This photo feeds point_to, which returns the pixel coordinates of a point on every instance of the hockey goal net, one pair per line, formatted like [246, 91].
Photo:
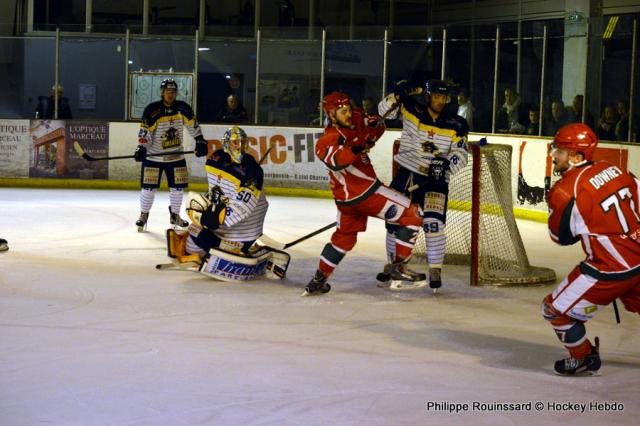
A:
[481, 228]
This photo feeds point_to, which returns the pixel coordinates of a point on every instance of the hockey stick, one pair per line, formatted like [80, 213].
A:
[176, 266]
[282, 246]
[615, 310]
[81, 152]
[264, 156]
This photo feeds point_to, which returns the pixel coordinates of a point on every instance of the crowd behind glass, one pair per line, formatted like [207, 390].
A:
[276, 76]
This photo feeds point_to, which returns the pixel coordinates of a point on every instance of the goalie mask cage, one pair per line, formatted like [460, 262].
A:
[481, 228]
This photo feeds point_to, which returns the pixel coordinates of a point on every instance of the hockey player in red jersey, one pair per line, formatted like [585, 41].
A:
[359, 194]
[597, 204]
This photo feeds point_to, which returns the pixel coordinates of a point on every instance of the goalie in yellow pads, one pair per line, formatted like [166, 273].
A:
[227, 220]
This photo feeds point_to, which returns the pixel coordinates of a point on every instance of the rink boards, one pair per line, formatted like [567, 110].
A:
[40, 153]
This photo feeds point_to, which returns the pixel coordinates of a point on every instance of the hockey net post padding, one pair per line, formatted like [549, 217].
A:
[481, 228]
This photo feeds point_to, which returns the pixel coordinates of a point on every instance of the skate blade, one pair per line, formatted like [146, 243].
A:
[406, 285]
[142, 229]
[383, 284]
[588, 373]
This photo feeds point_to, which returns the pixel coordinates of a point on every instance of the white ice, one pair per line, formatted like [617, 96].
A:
[92, 334]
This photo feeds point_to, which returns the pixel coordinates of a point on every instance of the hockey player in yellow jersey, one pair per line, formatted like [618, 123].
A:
[161, 133]
[433, 145]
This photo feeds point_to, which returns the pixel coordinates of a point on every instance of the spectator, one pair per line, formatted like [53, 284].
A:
[559, 117]
[233, 112]
[369, 106]
[622, 126]
[575, 113]
[46, 105]
[534, 121]
[511, 118]
[465, 108]
[607, 124]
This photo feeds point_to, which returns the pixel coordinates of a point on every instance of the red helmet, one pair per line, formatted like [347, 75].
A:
[335, 100]
[577, 137]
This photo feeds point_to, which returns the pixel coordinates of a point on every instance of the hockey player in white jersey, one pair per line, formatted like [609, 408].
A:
[161, 133]
[229, 218]
[433, 145]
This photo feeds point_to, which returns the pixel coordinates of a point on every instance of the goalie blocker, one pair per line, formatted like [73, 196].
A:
[224, 265]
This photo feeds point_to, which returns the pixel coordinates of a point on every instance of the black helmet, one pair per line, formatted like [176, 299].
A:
[437, 86]
[169, 83]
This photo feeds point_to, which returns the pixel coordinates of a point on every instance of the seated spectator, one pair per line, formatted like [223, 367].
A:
[534, 121]
[607, 124]
[465, 108]
[559, 117]
[575, 113]
[233, 112]
[369, 106]
[46, 105]
[622, 126]
[512, 114]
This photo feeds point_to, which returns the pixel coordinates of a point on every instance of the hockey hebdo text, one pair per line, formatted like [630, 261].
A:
[531, 406]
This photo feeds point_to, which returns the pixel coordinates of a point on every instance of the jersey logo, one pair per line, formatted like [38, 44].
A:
[171, 138]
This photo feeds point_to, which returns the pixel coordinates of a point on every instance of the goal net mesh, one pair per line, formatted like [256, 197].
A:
[501, 256]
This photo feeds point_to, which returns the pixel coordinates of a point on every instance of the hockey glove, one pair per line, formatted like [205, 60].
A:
[375, 128]
[140, 153]
[202, 148]
[213, 216]
[438, 168]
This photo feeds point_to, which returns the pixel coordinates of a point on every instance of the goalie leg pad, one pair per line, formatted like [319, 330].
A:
[176, 247]
[224, 266]
[278, 264]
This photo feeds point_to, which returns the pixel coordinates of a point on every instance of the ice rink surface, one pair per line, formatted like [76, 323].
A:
[92, 334]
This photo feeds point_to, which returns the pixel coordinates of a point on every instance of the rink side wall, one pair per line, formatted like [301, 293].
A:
[39, 153]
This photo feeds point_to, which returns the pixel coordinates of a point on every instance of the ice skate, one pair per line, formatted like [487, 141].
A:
[403, 278]
[141, 223]
[317, 286]
[176, 220]
[587, 366]
[384, 277]
[435, 281]
[4, 245]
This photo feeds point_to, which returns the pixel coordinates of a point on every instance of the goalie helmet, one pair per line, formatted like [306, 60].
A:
[234, 143]
[576, 138]
[168, 84]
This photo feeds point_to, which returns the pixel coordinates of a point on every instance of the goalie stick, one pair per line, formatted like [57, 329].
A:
[282, 246]
[82, 153]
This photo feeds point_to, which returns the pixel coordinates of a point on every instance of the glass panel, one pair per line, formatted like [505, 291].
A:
[162, 55]
[230, 18]
[176, 18]
[66, 15]
[355, 68]
[114, 17]
[92, 74]
[553, 77]
[616, 45]
[512, 116]
[413, 60]
[530, 73]
[481, 80]
[289, 82]
[459, 70]
[225, 68]
[32, 73]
